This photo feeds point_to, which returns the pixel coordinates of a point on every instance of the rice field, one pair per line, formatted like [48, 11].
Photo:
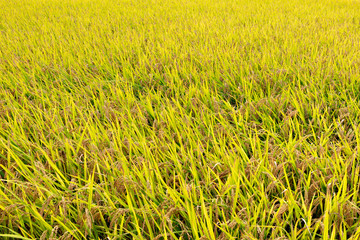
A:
[187, 119]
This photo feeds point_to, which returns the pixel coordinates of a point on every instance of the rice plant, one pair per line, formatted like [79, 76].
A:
[164, 119]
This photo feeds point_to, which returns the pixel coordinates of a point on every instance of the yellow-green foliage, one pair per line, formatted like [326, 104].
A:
[179, 119]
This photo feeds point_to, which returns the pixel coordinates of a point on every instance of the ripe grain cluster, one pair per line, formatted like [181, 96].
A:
[179, 119]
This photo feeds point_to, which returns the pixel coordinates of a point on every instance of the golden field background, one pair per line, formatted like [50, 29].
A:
[183, 119]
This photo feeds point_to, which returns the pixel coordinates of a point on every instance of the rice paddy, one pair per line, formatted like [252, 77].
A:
[163, 119]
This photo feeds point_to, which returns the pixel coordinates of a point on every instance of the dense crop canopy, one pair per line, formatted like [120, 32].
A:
[186, 119]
